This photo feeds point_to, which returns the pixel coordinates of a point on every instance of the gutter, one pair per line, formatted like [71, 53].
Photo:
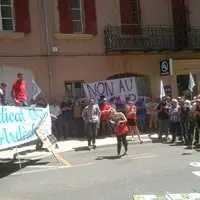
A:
[50, 67]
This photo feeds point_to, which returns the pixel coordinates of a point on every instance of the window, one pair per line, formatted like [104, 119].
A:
[135, 11]
[6, 15]
[77, 16]
[74, 89]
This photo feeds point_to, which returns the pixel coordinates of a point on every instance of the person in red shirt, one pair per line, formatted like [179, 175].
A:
[105, 119]
[19, 91]
[131, 111]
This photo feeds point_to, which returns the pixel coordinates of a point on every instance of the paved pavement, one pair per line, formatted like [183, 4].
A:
[29, 152]
[147, 169]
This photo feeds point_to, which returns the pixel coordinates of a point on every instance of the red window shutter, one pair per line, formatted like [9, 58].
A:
[22, 16]
[126, 11]
[126, 16]
[65, 16]
[139, 13]
[90, 17]
[180, 19]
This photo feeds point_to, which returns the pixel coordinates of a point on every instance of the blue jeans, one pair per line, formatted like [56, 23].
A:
[142, 121]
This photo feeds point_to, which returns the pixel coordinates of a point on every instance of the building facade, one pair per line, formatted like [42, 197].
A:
[63, 43]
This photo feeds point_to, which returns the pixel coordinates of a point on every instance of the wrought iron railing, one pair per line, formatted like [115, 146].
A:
[122, 38]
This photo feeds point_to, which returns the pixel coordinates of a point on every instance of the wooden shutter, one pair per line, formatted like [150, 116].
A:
[126, 16]
[180, 22]
[65, 16]
[178, 10]
[22, 16]
[90, 16]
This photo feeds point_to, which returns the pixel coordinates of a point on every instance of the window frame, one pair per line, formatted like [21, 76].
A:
[81, 9]
[72, 83]
[136, 11]
[12, 17]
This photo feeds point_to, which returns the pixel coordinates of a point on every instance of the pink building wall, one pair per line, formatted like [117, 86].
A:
[85, 59]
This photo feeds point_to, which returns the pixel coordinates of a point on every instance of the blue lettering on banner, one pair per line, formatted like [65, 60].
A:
[9, 117]
[21, 134]
[17, 125]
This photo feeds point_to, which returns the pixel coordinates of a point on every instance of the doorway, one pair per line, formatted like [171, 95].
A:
[183, 84]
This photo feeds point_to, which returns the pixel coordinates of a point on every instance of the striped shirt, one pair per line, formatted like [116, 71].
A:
[175, 114]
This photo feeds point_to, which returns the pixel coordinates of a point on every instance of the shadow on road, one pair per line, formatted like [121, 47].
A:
[9, 166]
[109, 157]
[84, 148]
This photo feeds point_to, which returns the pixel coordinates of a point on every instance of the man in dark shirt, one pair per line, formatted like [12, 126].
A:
[163, 118]
[65, 119]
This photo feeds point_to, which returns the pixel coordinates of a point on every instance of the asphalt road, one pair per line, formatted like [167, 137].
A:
[99, 175]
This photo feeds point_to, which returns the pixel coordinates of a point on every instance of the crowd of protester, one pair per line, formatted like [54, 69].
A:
[178, 117]
[82, 117]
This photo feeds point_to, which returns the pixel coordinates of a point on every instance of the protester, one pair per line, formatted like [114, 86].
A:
[196, 116]
[91, 115]
[121, 130]
[65, 119]
[163, 119]
[54, 108]
[3, 86]
[174, 113]
[77, 109]
[19, 91]
[184, 119]
[104, 120]
[141, 114]
[131, 111]
[153, 121]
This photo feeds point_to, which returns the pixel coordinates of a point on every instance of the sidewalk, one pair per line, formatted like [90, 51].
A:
[29, 152]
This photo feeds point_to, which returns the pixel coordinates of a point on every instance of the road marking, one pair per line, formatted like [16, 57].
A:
[141, 157]
[81, 165]
[49, 168]
[195, 164]
[168, 196]
[39, 170]
[197, 173]
[42, 166]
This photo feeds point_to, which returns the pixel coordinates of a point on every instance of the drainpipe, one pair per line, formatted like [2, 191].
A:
[50, 67]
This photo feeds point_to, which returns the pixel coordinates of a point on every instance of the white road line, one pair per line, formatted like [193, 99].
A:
[194, 164]
[140, 157]
[42, 166]
[39, 170]
[179, 196]
[49, 168]
[197, 173]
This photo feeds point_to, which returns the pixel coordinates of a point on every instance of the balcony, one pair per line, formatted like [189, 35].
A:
[130, 38]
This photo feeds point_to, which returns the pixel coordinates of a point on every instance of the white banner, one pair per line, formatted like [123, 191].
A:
[18, 124]
[124, 87]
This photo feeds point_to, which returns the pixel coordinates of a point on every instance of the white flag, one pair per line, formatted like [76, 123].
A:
[35, 89]
[191, 82]
[162, 90]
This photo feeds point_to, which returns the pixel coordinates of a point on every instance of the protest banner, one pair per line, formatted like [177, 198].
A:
[124, 87]
[18, 124]
[44, 137]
